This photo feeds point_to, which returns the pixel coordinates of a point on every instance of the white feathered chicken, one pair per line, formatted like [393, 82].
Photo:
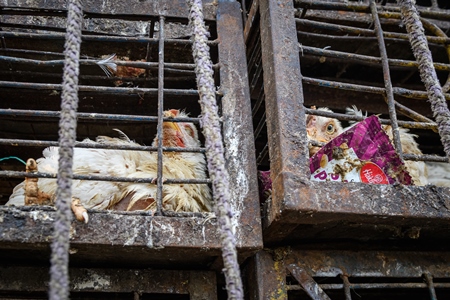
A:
[416, 169]
[133, 164]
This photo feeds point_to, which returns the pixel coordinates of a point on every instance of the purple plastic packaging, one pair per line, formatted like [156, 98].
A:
[376, 160]
[362, 153]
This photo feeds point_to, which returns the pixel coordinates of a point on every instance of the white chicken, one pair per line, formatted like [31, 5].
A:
[133, 164]
[416, 169]
[439, 173]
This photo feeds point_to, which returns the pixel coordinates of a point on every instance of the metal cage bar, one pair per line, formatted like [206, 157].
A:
[31, 59]
[309, 58]
[160, 137]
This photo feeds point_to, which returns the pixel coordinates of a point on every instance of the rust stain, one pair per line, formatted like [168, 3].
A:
[344, 193]
[280, 292]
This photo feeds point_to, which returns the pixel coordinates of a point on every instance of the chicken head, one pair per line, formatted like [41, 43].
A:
[321, 129]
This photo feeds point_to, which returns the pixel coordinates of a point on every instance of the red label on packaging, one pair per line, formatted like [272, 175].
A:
[371, 173]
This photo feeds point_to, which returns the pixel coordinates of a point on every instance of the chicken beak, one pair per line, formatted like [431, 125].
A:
[322, 140]
[172, 125]
[172, 113]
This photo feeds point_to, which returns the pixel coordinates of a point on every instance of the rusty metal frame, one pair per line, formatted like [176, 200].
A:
[269, 270]
[302, 209]
[172, 238]
[197, 284]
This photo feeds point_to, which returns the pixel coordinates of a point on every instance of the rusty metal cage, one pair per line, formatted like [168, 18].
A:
[287, 273]
[152, 40]
[326, 53]
[94, 283]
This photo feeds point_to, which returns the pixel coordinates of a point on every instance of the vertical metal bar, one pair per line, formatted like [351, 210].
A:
[308, 284]
[159, 179]
[137, 296]
[152, 28]
[434, 4]
[244, 11]
[266, 277]
[151, 32]
[348, 295]
[286, 120]
[2, 39]
[429, 280]
[387, 78]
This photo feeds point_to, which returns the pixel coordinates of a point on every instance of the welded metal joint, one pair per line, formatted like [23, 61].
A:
[308, 284]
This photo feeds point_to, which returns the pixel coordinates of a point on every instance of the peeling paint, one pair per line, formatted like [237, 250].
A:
[134, 232]
[241, 179]
[148, 235]
[41, 216]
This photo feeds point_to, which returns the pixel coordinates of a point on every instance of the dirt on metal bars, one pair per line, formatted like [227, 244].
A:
[155, 50]
[337, 54]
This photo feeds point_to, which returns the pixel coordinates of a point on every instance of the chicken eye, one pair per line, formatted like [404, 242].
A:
[189, 130]
[330, 128]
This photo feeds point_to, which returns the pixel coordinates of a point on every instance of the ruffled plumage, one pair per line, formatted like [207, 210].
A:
[132, 164]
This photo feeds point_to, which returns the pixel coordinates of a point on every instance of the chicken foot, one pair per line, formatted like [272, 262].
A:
[79, 210]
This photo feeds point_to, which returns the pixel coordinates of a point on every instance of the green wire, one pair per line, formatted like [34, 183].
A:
[13, 157]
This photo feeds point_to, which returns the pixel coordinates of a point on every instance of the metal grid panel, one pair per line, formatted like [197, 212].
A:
[327, 54]
[286, 273]
[152, 42]
[168, 75]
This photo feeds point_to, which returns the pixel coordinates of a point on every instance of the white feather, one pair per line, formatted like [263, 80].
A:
[132, 164]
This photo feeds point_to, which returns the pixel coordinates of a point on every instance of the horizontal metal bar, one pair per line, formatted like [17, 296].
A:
[126, 213]
[406, 124]
[420, 95]
[335, 27]
[407, 285]
[366, 32]
[100, 89]
[93, 116]
[100, 38]
[425, 157]
[18, 174]
[168, 66]
[353, 7]
[28, 51]
[39, 143]
[313, 4]
[185, 74]
[365, 59]
[342, 85]
[90, 62]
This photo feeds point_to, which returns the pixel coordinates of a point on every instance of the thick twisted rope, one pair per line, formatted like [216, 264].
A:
[214, 149]
[423, 56]
[59, 270]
